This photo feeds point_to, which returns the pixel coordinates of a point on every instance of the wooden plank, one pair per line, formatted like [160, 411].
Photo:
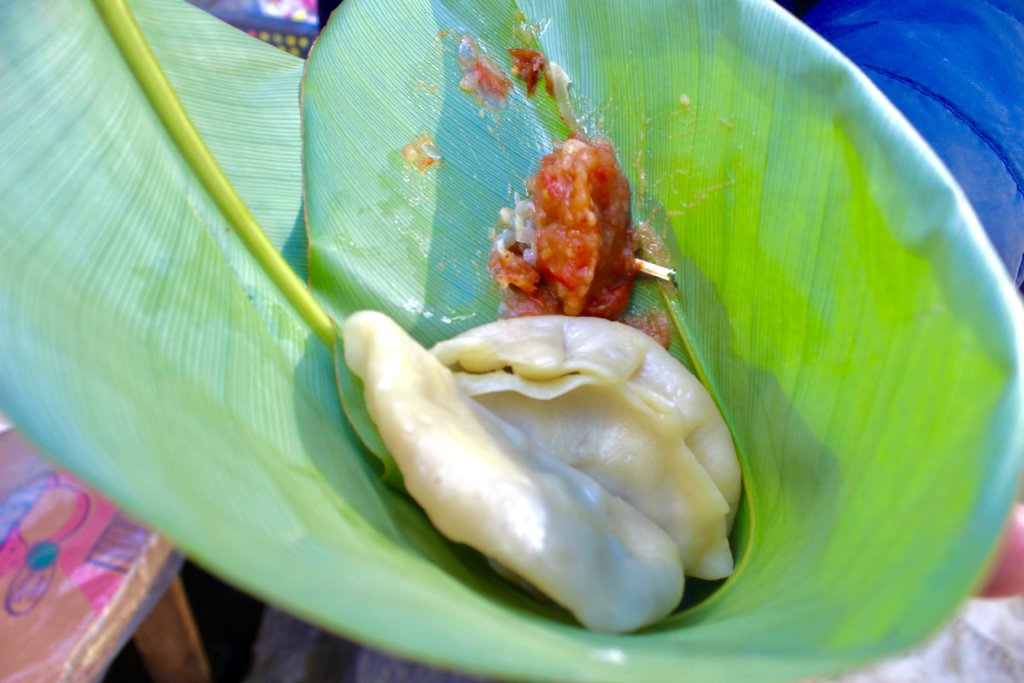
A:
[169, 642]
[150, 576]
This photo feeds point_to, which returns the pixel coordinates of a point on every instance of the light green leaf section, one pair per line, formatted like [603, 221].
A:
[141, 344]
[244, 101]
[835, 291]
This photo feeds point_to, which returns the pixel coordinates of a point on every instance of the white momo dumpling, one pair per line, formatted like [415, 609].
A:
[485, 483]
[609, 401]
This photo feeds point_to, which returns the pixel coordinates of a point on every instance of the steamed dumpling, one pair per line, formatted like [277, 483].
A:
[485, 482]
[610, 402]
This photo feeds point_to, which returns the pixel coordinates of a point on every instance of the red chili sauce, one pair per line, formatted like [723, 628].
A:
[529, 65]
[583, 254]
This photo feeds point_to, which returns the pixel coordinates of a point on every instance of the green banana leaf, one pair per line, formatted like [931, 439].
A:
[835, 292]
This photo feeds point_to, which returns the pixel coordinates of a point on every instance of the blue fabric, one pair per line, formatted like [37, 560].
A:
[956, 70]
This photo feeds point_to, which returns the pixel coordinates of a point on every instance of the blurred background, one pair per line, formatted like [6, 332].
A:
[290, 25]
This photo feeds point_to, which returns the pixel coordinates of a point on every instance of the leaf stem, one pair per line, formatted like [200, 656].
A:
[158, 90]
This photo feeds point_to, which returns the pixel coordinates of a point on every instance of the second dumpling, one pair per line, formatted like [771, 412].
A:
[610, 402]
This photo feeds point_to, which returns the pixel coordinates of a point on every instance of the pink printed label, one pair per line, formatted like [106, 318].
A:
[65, 552]
[54, 527]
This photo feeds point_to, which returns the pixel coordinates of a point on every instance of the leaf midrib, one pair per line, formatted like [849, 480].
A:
[157, 89]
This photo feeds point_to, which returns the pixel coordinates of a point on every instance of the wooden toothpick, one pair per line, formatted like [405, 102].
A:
[654, 270]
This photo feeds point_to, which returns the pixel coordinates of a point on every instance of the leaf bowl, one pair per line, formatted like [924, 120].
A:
[835, 293]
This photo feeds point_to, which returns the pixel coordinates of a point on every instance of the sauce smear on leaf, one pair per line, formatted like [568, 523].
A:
[481, 77]
[529, 65]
